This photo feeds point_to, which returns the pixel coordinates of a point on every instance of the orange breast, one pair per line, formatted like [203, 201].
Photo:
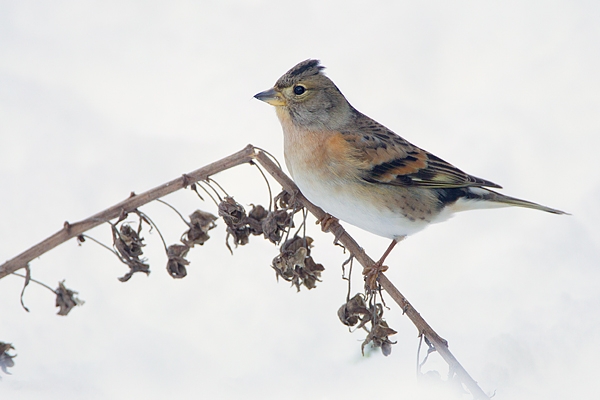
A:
[323, 153]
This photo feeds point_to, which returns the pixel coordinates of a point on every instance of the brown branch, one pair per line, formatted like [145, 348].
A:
[244, 156]
[350, 244]
[133, 202]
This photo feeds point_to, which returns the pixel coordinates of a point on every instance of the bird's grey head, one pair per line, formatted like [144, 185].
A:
[311, 98]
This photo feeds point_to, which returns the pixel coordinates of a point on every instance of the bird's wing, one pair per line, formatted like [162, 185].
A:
[388, 159]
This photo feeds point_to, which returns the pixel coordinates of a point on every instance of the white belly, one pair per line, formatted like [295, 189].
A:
[348, 203]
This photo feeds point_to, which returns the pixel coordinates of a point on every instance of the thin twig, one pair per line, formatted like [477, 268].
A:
[207, 192]
[35, 281]
[268, 185]
[101, 244]
[209, 180]
[145, 217]
[72, 230]
[271, 156]
[174, 209]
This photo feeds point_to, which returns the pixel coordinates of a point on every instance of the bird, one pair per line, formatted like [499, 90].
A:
[361, 172]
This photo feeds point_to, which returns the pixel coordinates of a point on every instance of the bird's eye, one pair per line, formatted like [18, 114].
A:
[299, 89]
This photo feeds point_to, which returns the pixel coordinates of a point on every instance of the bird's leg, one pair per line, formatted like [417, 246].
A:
[372, 273]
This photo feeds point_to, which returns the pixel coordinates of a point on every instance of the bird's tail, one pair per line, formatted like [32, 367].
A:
[490, 195]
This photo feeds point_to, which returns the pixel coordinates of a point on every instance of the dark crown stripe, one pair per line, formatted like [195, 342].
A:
[298, 72]
[304, 67]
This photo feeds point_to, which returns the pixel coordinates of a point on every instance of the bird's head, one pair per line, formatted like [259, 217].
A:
[309, 97]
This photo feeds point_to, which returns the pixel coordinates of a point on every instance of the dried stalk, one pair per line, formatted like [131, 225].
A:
[133, 202]
[246, 155]
[350, 244]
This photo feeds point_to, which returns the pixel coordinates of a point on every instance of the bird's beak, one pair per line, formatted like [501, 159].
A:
[271, 96]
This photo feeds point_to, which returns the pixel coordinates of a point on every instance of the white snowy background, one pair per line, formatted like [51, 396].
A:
[98, 99]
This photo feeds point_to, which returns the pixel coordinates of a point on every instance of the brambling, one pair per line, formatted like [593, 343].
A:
[361, 172]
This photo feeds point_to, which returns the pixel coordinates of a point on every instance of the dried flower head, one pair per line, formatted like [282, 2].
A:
[6, 360]
[177, 262]
[284, 200]
[295, 264]
[275, 224]
[128, 244]
[255, 219]
[354, 310]
[200, 223]
[234, 216]
[66, 299]
[379, 337]
[232, 212]
[361, 308]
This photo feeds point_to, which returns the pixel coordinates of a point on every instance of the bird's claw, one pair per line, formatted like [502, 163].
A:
[372, 274]
[327, 221]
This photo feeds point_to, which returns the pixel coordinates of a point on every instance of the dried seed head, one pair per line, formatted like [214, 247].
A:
[6, 360]
[177, 262]
[275, 223]
[362, 309]
[354, 310]
[285, 200]
[128, 242]
[66, 299]
[379, 337]
[255, 219]
[233, 213]
[200, 223]
[203, 220]
[234, 216]
[294, 263]
[312, 272]
[129, 245]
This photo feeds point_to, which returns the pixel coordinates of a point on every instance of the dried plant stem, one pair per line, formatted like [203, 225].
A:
[350, 244]
[133, 202]
[246, 155]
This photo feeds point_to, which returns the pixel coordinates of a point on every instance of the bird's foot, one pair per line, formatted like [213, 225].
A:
[327, 221]
[371, 274]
